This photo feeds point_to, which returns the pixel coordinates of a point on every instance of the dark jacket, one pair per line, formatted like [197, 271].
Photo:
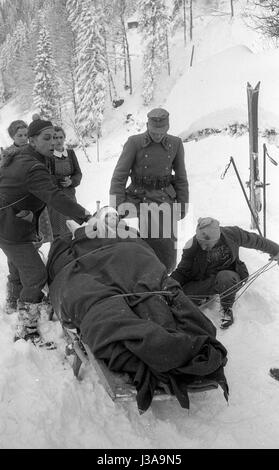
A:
[76, 174]
[26, 185]
[157, 171]
[193, 264]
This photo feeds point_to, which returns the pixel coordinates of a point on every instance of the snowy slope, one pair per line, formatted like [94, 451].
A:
[228, 72]
[43, 406]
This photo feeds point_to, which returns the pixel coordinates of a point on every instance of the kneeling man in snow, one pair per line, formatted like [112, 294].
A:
[210, 263]
[130, 313]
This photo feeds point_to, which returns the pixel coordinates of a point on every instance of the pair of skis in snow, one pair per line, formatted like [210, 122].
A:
[254, 184]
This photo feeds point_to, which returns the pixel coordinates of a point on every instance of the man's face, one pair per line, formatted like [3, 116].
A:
[59, 139]
[111, 220]
[207, 245]
[44, 142]
[157, 134]
[20, 137]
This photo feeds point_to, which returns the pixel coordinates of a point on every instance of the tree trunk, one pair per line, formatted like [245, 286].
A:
[184, 22]
[124, 62]
[191, 20]
[110, 78]
[167, 51]
[128, 58]
[232, 11]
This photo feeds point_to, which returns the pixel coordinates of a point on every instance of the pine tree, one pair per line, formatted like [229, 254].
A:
[91, 67]
[46, 89]
[62, 45]
[153, 24]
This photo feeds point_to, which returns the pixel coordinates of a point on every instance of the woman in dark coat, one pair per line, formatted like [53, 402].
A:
[67, 175]
[25, 189]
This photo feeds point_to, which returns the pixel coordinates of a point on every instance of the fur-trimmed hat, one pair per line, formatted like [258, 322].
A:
[208, 229]
[158, 120]
[38, 125]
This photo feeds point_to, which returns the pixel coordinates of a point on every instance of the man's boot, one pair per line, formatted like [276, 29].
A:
[274, 372]
[227, 317]
[27, 325]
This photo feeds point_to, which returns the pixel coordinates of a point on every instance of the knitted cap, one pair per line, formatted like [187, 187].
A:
[38, 125]
[158, 119]
[208, 229]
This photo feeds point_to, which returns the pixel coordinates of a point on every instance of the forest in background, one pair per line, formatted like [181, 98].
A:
[63, 56]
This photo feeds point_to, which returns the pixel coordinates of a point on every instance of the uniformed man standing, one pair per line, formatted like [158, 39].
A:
[155, 163]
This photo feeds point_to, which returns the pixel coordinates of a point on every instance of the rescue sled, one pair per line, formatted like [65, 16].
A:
[118, 385]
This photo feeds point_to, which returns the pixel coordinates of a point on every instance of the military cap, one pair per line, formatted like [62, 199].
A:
[158, 119]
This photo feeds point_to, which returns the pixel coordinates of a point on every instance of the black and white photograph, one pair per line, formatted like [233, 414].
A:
[139, 227]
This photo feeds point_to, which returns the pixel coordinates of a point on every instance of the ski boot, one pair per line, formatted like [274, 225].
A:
[274, 373]
[27, 326]
[227, 318]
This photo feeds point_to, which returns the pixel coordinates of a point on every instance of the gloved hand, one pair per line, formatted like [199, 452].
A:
[66, 182]
[87, 216]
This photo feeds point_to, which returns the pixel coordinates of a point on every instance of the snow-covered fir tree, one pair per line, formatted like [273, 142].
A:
[46, 87]
[91, 69]
[153, 23]
[62, 45]
[13, 45]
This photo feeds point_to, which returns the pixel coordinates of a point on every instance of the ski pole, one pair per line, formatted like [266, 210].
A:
[265, 154]
[264, 190]
[245, 195]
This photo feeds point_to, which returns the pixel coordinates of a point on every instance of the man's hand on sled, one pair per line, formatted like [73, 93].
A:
[275, 258]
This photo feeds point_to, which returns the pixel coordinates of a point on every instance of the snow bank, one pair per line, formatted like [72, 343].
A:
[212, 94]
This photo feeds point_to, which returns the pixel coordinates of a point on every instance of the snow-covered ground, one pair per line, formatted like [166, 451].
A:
[43, 406]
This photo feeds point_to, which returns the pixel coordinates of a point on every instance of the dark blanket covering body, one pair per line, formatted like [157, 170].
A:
[153, 337]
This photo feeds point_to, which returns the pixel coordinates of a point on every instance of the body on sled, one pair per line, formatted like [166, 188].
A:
[119, 386]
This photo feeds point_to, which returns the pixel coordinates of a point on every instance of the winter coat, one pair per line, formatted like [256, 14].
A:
[151, 166]
[193, 264]
[25, 188]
